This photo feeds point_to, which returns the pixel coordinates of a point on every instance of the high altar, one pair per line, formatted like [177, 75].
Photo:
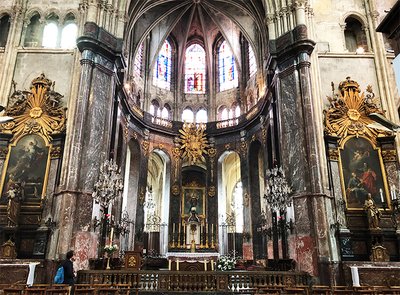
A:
[193, 241]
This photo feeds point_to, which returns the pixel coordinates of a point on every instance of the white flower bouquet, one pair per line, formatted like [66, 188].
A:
[226, 263]
[110, 249]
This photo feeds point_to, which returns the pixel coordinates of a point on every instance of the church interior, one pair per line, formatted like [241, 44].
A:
[200, 146]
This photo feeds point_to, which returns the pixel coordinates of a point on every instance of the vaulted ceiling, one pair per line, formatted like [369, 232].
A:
[202, 21]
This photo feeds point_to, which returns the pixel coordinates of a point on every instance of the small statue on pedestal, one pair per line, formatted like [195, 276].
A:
[373, 213]
[13, 204]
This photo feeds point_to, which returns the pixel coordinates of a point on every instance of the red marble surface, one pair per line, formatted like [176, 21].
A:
[85, 248]
[306, 255]
[248, 251]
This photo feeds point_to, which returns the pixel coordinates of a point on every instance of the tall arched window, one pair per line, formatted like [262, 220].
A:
[50, 35]
[4, 28]
[201, 116]
[155, 108]
[33, 33]
[187, 116]
[223, 113]
[237, 111]
[162, 69]
[137, 65]
[355, 37]
[252, 62]
[165, 112]
[195, 69]
[68, 36]
[237, 206]
[226, 68]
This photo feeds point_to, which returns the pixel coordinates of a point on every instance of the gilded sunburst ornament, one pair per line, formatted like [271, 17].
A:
[193, 142]
[349, 110]
[38, 111]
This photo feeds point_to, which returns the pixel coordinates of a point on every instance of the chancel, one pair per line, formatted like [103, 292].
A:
[200, 146]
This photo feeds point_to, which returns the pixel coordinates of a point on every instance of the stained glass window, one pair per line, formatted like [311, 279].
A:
[252, 62]
[138, 60]
[195, 69]
[226, 68]
[162, 69]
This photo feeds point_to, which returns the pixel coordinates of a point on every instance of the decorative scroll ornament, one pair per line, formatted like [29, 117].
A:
[349, 112]
[193, 142]
[38, 111]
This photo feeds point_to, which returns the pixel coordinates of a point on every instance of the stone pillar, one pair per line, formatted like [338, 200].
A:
[245, 172]
[4, 142]
[89, 142]
[300, 12]
[10, 54]
[300, 157]
[139, 220]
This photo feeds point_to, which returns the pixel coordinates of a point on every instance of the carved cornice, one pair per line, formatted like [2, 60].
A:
[55, 152]
[333, 155]
[348, 113]
[38, 111]
[3, 152]
[389, 156]
[145, 147]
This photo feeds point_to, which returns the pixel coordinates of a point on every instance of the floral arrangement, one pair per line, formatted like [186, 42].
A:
[110, 249]
[226, 263]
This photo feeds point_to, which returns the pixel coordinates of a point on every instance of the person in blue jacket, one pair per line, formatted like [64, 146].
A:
[69, 276]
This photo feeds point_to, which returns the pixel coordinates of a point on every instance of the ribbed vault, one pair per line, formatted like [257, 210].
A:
[200, 20]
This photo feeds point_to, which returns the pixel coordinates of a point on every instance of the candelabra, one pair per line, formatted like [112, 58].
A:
[277, 191]
[123, 226]
[278, 196]
[110, 184]
[108, 187]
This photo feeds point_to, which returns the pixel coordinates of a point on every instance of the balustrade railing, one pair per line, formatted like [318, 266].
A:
[185, 281]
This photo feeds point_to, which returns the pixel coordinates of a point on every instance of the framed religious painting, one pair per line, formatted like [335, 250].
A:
[193, 200]
[362, 173]
[26, 169]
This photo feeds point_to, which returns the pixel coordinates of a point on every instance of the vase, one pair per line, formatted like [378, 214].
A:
[108, 263]
[108, 260]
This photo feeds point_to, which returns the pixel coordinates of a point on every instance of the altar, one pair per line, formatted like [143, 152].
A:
[184, 261]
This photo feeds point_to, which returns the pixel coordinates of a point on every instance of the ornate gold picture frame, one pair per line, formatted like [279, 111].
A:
[362, 172]
[27, 166]
[193, 198]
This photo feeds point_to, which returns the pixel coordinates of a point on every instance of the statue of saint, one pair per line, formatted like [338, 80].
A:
[373, 213]
[194, 198]
[13, 195]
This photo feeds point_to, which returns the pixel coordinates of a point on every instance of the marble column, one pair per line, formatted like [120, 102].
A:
[89, 142]
[300, 155]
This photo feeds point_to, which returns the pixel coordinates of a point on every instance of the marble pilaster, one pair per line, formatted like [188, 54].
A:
[89, 141]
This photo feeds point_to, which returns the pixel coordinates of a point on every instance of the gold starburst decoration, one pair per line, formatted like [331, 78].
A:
[37, 111]
[349, 110]
[193, 142]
